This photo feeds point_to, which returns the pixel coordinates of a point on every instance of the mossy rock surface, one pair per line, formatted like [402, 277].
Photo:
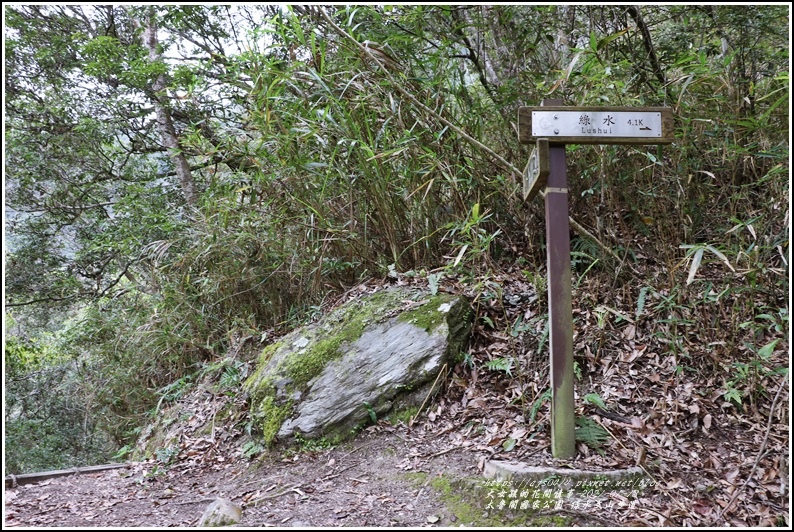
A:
[371, 356]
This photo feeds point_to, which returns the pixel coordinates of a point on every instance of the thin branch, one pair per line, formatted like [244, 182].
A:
[42, 300]
[634, 12]
[761, 454]
[474, 57]
[123, 273]
[398, 86]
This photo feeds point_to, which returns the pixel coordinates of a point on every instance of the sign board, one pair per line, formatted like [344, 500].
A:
[551, 127]
[537, 170]
[596, 125]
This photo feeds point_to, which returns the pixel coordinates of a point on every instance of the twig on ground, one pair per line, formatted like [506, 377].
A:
[357, 449]
[445, 451]
[334, 475]
[291, 489]
[429, 393]
[761, 454]
[197, 501]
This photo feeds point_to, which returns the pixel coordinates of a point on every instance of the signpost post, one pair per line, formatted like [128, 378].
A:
[551, 127]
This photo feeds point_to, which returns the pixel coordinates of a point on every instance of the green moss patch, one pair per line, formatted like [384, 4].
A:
[427, 316]
[404, 415]
[286, 367]
[475, 501]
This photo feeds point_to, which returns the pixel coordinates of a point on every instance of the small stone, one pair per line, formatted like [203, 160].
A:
[301, 342]
[221, 512]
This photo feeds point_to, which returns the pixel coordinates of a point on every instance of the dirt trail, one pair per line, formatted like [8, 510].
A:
[376, 480]
[386, 477]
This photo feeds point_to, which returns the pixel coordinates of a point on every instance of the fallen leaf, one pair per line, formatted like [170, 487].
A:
[702, 510]
[630, 332]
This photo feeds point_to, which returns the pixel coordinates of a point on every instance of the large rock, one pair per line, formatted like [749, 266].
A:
[371, 356]
[221, 512]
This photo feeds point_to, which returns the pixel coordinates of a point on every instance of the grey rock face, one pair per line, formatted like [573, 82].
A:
[221, 512]
[370, 357]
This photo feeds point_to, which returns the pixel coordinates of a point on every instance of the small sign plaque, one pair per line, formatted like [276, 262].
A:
[596, 125]
[537, 170]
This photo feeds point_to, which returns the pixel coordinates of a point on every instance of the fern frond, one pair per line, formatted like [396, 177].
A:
[590, 433]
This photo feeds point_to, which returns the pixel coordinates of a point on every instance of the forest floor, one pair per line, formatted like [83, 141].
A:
[387, 477]
[709, 461]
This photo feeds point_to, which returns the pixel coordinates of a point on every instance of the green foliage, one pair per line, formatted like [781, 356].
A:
[108, 59]
[313, 170]
[471, 238]
[641, 302]
[174, 390]
[373, 416]
[747, 377]
[432, 281]
[468, 361]
[595, 399]
[545, 397]
[124, 452]
[501, 364]
[167, 455]
[591, 433]
[48, 419]
[22, 356]
[311, 445]
[252, 448]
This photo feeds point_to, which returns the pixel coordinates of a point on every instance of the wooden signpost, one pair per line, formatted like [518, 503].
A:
[551, 127]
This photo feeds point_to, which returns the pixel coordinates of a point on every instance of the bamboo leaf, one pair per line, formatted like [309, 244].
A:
[594, 399]
[641, 302]
[721, 256]
[533, 411]
[460, 254]
[693, 269]
[766, 351]
[608, 39]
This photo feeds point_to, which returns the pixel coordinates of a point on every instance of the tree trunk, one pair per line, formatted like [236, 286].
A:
[634, 13]
[562, 41]
[164, 121]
